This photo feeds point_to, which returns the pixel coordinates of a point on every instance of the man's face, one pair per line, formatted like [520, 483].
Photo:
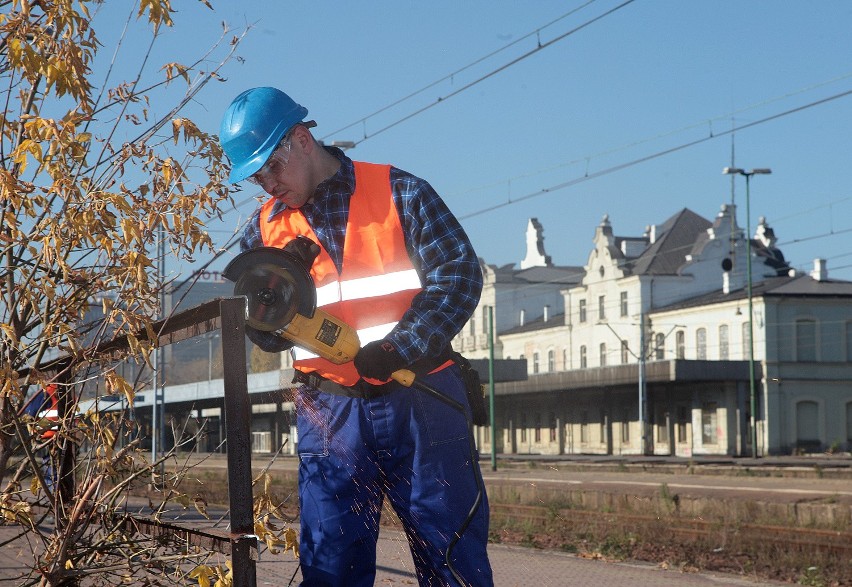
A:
[284, 175]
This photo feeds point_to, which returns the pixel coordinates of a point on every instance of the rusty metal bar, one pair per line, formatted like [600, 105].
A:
[192, 322]
[237, 427]
[209, 539]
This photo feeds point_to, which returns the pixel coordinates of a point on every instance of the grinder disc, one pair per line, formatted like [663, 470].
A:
[276, 284]
[273, 297]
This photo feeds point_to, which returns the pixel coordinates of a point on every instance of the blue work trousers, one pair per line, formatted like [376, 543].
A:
[405, 445]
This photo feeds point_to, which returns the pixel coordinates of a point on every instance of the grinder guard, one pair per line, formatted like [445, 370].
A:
[276, 284]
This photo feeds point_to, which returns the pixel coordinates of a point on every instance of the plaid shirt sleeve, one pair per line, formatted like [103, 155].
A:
[252, 238]
[449, 270]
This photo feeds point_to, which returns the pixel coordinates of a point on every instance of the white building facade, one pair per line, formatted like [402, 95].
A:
[650, 353]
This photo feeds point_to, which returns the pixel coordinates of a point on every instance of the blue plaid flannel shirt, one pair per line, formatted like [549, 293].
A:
[437, 245]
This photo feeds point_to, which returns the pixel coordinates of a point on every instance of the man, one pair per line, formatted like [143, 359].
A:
[42, 407]
[389, 258]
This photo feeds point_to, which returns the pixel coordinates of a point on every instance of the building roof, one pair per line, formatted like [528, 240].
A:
[675, 239]
[565, 274]
[795, 286]
[555, 321]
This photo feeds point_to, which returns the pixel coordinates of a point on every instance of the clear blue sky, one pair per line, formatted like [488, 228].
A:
[608, 101]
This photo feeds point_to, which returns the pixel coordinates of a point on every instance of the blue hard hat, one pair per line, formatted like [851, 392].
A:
[252, 127]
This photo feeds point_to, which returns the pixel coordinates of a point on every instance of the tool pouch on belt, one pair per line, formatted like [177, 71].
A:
[475, 390]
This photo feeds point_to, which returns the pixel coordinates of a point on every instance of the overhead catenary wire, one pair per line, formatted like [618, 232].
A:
[656, 155]
[492, 73]
[456, 72]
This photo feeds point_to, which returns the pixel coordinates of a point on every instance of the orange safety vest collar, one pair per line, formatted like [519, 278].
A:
[377, 281]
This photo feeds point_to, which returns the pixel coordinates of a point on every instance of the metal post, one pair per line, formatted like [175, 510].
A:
[491, 387]
[237, 418]
[751, 392]
[643, 417]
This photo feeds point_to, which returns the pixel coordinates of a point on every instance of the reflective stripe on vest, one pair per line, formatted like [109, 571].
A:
[377, 282]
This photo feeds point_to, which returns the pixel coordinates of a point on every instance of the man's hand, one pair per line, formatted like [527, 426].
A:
[304, 249]
[378, 359]
[266, 341]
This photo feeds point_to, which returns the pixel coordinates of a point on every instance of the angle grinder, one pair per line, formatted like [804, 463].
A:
[282, 299]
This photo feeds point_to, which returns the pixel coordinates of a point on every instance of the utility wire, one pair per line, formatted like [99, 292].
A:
[652, 156]
[492, 73]
[452, 75]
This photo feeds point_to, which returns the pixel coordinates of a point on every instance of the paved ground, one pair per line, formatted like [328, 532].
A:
[523, 567]
[790, 480]
[512, 566]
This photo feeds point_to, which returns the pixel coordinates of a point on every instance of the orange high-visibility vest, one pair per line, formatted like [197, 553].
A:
[377, 281]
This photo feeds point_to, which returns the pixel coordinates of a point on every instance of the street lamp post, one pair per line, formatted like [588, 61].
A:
[751, 391]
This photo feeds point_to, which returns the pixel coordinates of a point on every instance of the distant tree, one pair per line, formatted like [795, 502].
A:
[91, 184]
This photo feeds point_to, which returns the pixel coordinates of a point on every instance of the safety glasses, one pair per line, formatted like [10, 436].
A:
[276, 163]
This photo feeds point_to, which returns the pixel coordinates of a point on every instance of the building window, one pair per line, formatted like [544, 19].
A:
[709, 424]
[723, 342]
[625, 427]
[625, 349]
[472, 325]
[523, 426]
[849, 341]
[623, 303]
[603, 420]
[603, 354]
[565, 359]
[701, 344]
[662, 421]
[552, 427]
[746, 341]
[551, 361]
[582, 310]
[680, 344]
[806, 340]
[807, 425]
[682, 423]
[535, 362]
[484, 319]
[601, 307]
[849, 424]
[660, 346]
[584, 427]
[537, 432]
[584, 362]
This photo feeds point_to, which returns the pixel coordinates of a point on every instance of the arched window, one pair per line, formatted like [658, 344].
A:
[701, 344]
[807, 425]
[723, 342]
[680, 344]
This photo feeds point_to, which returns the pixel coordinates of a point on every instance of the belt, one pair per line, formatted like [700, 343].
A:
[361, 390]
[364, 390]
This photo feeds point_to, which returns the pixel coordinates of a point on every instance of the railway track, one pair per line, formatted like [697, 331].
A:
[833, 542]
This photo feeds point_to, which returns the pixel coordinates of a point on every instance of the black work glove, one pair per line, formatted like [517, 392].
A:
[303, 249]
[266, 341]
[378, 359]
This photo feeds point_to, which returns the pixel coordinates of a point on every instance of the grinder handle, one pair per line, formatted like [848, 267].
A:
[404, 377]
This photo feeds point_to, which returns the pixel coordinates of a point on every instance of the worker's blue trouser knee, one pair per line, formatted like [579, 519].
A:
[405, 445]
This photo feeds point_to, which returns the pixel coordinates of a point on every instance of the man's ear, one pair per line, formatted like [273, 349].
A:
[304, 138]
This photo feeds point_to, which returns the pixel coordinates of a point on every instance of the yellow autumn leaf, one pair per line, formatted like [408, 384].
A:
[202, 574]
